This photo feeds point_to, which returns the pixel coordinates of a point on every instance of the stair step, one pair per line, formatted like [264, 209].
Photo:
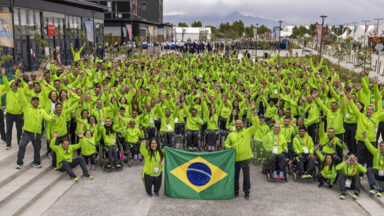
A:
[49, 198]
[8, 170]
[17, 184]
[31, 193]
[369, 205]
[365, 188]
[9, 155]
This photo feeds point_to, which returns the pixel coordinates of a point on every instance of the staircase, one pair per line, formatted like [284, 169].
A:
[29, 191]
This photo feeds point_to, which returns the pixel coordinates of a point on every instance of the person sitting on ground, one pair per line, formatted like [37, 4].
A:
[328, 174]
[65, 160]
[349, 176]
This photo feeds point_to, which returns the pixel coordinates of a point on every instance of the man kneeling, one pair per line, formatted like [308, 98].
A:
[65, 160]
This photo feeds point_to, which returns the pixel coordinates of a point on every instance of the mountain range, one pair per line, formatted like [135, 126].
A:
[215, 19]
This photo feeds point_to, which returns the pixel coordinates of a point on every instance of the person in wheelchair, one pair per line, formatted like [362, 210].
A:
[328, 174]
[167, 129]
[211, 117]
[110, 138]
[132, 136]
[303, 148]
[349, 176]
[276, 145]
[328, 143]
[192, 127]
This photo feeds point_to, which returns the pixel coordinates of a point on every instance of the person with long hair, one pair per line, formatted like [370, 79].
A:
[153, 166]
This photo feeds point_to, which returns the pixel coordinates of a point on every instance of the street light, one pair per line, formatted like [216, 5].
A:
[365, 33]
[280, 21]
[322, 32]
[378, 23]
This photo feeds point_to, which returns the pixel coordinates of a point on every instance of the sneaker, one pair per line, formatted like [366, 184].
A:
[303, 176]
[379, 193]
[37, 165]
[209, 148]
[108, 166]
[88, 177]
[213, 148]
[373, 190]
[150, 195]
[135, 157]
[246, 196]
[343, 195]
[274, 175]
[189, 148]
[18, 166]
[281, 175]
[75, 179]
[93, 167]
[7, 147]
[156, 194]
[139, 157]
[308, 176]
[356, 195]
[320, 184]
[194, 148]
[118, 166]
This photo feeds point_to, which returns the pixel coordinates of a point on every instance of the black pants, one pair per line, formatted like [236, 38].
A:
[380, 131]
[349, 137]
[355, 181]
[192, 138]
[2, 127]
[72, 130]
[244, 165]
[223, 123]
[89, 158]
[179, 128]
[151, 132]
[36, 142]
[167, 138]
[339, 150]
[58, 141]
[152, 180]
[373, 175]
[66, 166]
[277, 159]
[313, 131]
[305, 160]
[10, 119]
[211, 137]
[363, 154]
[112, 155]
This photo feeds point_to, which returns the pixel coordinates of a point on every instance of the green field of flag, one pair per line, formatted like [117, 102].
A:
[205, 176]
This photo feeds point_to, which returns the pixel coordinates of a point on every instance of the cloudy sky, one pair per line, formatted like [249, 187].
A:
[292, 11]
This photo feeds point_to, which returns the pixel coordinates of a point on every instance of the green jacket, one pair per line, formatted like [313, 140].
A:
[241, 141]
[132, 135]
[76, 55]
[378, 156]
[351, 170]
[334, 119]
[327, 170]
[13, 103]
[88, 145]
[271, 140]
[300, 142]
[61, 153]
[33, 117]
[193, 123]
[261, 132]
[150, 163]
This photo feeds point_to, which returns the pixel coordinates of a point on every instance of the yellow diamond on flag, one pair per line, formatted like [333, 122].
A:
[199, 174]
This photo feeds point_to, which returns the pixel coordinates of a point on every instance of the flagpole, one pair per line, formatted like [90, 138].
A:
[378, 23]
[321, 38]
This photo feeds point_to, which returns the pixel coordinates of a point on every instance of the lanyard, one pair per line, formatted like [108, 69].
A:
[353, 169]
[331, 144]
[301, 142]
[98, 110]
[90, 143]
[273, 139]
[373, 122]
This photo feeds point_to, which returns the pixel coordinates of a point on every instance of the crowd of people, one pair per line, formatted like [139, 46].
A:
[275, 111]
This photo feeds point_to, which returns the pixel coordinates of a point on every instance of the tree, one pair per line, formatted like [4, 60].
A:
[197, 24]
[182, 24]
[238, 27]
[263, 29]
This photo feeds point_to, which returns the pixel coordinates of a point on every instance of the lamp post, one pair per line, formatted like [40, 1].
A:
[280, 21]
[322, 32]
[378, 23]
[365, 34]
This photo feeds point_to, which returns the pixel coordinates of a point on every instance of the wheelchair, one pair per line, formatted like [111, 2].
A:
[125, 153]
[199, 141]
[295, 170]
[103, 156]
[267, 170]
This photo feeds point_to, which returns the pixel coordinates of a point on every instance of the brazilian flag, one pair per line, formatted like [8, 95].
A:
[204, 176]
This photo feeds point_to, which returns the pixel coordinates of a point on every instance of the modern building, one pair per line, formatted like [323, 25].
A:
[190, 34]
[65, 20]
[138, 20]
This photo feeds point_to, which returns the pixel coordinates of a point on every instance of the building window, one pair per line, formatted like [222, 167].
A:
[109, 5]
[23, 17]
[144, 5]
[16, 17]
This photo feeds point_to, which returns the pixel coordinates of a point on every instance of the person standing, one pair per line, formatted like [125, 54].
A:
[240, 141]
[13, 109]
[33, 121]
[153, 166]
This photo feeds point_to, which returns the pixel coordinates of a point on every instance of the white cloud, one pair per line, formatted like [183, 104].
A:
[291, 11]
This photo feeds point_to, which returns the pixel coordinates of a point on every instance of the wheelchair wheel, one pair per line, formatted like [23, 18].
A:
[101, 157]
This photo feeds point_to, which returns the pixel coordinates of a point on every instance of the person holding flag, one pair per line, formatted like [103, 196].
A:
[240, 141]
